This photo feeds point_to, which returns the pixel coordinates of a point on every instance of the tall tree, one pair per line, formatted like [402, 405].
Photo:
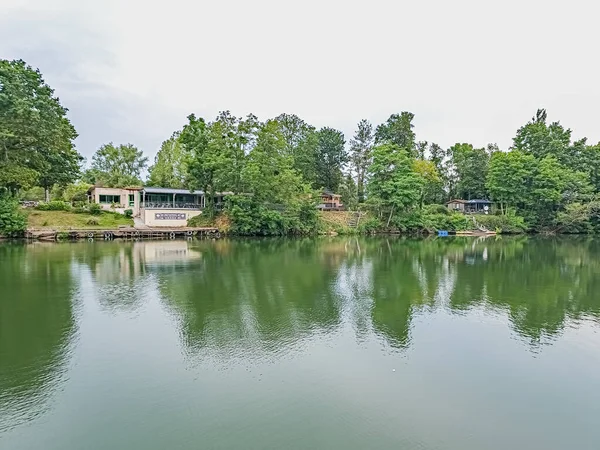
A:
[36, 137]
[301, 141]
[509, 178]
[431, 181]
[398, 130]
[231, 138]
[60, 167]
[469, 167]
[554, 186]
[360, 155]
[393, 184]
[170, 167]
[541, 139]
[204, 164]
[331, 159]
[117, 166]
[269, 172]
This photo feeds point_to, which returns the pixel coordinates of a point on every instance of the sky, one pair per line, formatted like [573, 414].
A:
[131, 71]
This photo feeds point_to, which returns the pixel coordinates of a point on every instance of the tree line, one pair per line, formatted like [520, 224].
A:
[274, 169]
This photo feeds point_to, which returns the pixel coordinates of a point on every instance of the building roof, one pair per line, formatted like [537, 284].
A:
[471, 202]
[127, 188]
[161, 190]
[479, 201]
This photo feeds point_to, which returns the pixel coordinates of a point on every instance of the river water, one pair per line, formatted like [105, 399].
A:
[331, 343]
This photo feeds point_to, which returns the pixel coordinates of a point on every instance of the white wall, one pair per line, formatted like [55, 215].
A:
[149, 217]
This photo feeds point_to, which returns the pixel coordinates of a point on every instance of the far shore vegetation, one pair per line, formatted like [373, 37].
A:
[276, 169]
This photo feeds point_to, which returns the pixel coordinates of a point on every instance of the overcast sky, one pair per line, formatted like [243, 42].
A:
[470, 70]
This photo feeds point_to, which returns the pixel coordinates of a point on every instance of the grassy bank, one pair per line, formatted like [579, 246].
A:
[64, 220]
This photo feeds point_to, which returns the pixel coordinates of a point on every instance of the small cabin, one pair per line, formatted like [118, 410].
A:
[330, 202]
[475, 206]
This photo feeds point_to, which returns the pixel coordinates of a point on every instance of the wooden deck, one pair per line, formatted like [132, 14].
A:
[128, 233]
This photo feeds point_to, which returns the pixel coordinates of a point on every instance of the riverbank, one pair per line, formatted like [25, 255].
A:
[127, 233]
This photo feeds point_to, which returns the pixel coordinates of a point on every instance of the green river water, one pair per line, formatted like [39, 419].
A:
[331, 343]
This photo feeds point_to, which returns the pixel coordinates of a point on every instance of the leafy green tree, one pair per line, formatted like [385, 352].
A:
[554, 186]
[331, 159]
[541, 139]
[469, 167]
[75, 192]
[170, 167]
[398, 130]
[360, 155]
[36, 137]
[591, 164]
[60, 168]
[116, 166]
[509, 179]
[203, 163]
[301, 142]
[269, 172]
[230, 139]
[431, 181]
[393, 184]
[12, 220]
[348, 192]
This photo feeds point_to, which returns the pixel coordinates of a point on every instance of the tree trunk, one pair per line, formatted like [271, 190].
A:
[46, 194]
[390, 217]
[361, 189]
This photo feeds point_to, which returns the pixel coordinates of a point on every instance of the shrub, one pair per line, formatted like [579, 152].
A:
[55, 205]
[93, 221]
[128, 213]
[12, 221]
[436, 209]
[94, 209]
[369, 225]
[509, 223]
[253, 218]
[35, 194]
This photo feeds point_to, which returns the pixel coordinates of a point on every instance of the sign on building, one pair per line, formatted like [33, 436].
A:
[169, 216]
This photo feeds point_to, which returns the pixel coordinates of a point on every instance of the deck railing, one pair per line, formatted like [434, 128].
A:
[170, 205]
[176, 205]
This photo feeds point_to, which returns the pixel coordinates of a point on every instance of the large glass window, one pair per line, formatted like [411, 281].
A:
[159, 198]
[110, 199]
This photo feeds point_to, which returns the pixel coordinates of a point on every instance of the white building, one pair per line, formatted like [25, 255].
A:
[156, 206]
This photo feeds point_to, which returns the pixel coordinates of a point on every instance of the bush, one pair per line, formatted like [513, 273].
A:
[94, 209]
[55, 205]
[252, 218]
[12, 221]
[369, 225]
[128, 213]
[509, 223]
[35, 194]
[93, 221]
[436, 209]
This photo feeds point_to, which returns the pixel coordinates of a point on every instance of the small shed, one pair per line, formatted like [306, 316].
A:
[456, 205]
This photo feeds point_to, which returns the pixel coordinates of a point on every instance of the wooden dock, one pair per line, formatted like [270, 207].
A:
[127, 233]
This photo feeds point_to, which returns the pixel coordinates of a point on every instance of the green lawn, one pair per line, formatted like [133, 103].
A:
[63, 220]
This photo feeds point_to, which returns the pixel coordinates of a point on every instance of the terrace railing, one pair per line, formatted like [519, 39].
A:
[176, 205]
[170, 205]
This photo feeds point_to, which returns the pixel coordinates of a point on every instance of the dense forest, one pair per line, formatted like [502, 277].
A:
[275, 169]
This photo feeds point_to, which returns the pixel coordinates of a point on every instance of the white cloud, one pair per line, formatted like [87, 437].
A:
[471, 71]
